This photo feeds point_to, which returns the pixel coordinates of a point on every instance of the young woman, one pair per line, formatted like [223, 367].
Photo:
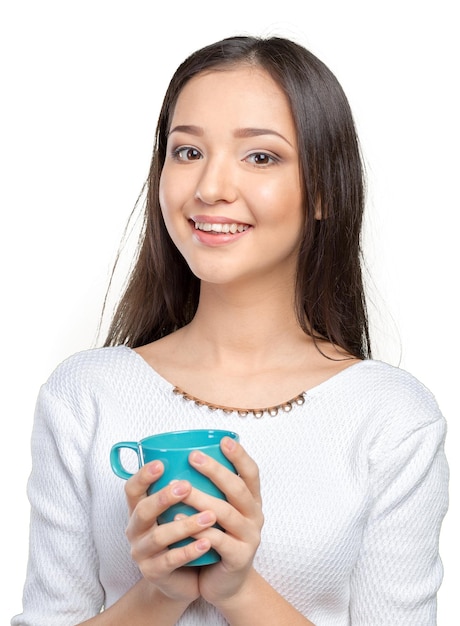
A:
[245, 311]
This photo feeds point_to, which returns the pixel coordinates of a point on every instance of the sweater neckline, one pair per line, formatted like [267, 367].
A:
[310, 392]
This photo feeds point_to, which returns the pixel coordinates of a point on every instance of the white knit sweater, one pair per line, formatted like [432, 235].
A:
[354, 486]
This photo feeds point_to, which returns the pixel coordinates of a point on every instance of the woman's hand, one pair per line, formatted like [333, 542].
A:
[241, 517]
[149, 541]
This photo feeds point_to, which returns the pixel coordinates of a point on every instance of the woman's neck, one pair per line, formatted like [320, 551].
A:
[245, 326]
[243, 348]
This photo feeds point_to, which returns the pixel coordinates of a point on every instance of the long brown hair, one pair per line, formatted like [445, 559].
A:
[162, 294]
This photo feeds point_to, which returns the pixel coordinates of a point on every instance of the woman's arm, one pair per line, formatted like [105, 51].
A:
[258, 604]
[142, 604]
[398, 570]
[62, 574]
[62, 584]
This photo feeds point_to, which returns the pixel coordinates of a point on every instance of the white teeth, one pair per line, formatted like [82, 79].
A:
[207, 227]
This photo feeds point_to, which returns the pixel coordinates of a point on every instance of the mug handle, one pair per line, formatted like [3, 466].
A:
[115, 460]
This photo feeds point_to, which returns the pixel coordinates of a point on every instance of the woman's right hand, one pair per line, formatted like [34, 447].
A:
[161, 566]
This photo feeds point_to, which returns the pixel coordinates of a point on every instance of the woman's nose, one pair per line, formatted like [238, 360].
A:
[217, 182]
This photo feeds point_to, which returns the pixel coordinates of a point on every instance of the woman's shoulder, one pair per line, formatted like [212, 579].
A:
[391, 381]
[382, 394]
[92, 367]
[381, 377]
[404, 405]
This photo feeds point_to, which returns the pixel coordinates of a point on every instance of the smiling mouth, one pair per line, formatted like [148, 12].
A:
[226, 228]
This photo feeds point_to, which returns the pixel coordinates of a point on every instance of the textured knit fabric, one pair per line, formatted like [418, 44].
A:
[354, 486]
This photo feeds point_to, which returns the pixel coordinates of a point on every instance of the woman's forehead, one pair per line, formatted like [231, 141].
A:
[244, 96]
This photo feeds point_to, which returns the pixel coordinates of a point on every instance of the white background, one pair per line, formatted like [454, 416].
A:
[81, 87]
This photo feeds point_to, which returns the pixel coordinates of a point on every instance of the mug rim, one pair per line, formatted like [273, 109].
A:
[153, 442]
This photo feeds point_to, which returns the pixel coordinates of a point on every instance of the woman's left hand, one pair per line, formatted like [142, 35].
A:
[241, 517]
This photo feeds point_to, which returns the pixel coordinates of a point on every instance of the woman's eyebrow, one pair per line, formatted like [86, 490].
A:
[190, 129]
[198, 131]
[256, 132]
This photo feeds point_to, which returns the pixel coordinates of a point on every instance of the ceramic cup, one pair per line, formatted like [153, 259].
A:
[173, 450]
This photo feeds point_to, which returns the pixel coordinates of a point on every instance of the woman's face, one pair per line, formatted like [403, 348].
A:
[230, 189]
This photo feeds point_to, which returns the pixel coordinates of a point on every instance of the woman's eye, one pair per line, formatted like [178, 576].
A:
[186, 153]
[261, 158]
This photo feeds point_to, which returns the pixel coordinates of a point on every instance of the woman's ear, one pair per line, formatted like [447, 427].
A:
[318, 210]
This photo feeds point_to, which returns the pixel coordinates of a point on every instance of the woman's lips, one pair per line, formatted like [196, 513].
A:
[217, 230]
[217, 227]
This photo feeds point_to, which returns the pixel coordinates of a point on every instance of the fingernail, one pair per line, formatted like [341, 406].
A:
[229, 443]
[205, 518]
[180, 489]
[154, 467]
[198, 458]
[202, 545]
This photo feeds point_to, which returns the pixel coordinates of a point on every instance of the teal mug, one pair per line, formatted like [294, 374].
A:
[173, 450]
